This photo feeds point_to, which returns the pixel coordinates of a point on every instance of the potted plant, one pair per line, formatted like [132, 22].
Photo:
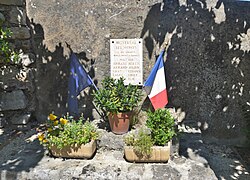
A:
[117, 100]
[68, 138]
[151, 143]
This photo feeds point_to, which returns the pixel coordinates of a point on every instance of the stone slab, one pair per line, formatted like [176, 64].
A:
[12, 100]
[25, 45]
[12, 2]
[17, 15]
[20, 33]
[22, 119]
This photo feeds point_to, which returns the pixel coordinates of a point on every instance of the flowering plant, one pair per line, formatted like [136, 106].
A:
[62, 132]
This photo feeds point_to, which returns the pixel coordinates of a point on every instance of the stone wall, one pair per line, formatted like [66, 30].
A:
[207, 65]
[17, 91]
[87, 27]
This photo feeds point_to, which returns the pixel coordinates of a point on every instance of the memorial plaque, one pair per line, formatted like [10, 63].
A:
[126, 60]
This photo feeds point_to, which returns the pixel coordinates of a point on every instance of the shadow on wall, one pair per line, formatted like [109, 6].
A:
[52, 78]
[207, 66]
[51, 82]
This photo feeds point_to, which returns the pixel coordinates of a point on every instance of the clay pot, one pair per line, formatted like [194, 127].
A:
[119, 123]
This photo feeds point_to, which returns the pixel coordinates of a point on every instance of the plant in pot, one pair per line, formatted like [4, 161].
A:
[117, 100]
[68, 138]
[151, 143]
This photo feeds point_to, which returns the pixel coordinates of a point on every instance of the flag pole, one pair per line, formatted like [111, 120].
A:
[165, 47]
[91, 80]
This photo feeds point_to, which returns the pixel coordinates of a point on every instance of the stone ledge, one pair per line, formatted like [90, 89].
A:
[110, 164]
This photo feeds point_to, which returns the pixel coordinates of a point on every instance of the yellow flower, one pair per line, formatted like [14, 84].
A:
[45, 141]
[50, 129]
[55, 123]
[40, 137]
[63, 121]
[52, 117]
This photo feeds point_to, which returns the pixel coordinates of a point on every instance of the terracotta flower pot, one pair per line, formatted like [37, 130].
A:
[159, 154]
[84, 151]
[119, 123]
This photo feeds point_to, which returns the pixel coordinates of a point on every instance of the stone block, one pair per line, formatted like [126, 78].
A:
[2, 120]
[25, 75]
[116, 144]
[25, 45]
[17, 15]
[12, 2]
[27, 59]
[12, 100]
[22, 119]
[20, 33]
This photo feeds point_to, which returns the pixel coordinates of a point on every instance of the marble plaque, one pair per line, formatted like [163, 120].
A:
[126, 60]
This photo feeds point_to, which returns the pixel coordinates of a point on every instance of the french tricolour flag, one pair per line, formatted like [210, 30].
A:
[155, 85]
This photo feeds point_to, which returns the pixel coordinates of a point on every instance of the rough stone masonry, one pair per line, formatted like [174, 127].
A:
[17, 91]
[207, 61]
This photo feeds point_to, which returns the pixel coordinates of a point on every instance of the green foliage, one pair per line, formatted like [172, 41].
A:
[7, 54]
[116, 97]
[141, 142]
[162, 125]
[68, 132]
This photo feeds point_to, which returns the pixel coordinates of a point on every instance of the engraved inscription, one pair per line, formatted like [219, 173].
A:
[126, 60]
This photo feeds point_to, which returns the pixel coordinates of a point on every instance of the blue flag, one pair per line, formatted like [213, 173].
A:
[78, 80]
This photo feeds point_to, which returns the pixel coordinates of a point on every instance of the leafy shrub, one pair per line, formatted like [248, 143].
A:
[116, 97]
[162, 125]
